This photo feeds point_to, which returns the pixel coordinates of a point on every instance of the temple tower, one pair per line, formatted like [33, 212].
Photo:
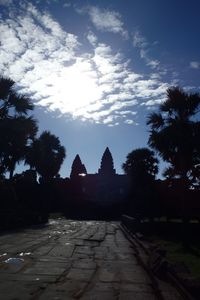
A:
[77, 167]
[107, 166]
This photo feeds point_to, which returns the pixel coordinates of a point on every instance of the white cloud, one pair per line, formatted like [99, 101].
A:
[92, 38]
[107, 20]
[45, 61]
[110, 119]
[153, 63]
[128, 121]
[141, 43]
[194, 65]
[127, 112]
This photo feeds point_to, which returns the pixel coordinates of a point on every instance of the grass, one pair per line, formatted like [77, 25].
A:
[55, 215]
[177, 254]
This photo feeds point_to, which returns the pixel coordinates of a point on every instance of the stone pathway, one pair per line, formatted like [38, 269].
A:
[71, 260]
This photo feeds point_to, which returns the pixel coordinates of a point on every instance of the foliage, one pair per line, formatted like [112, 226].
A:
[46, 155]
[175, 135]
[27, 177]
[141, 165]
[20, 129]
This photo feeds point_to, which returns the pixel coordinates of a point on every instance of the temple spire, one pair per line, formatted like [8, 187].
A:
[77, 167]
[107, 166]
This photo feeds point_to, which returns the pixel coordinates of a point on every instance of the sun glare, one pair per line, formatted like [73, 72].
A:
[75, 89]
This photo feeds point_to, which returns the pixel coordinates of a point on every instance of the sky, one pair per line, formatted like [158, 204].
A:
[96, 69]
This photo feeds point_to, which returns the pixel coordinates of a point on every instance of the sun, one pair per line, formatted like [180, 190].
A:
[74, 89]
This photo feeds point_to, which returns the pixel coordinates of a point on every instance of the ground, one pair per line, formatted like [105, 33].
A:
[71, 260]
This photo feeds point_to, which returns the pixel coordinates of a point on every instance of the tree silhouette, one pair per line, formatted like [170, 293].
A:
[19, 128]
[77, 167]
[107, 166]
[175, 134]
[46, 155]
[141, 164]
[12, 103]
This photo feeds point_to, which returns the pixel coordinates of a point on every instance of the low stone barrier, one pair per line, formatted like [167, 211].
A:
[154, 261]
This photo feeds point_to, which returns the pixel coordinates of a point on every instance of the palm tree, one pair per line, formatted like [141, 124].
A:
[175, 134]
[12, 103]
[16, 128]
[46, 155]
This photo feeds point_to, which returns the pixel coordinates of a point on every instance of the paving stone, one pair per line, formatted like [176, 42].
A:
[90, 243]
[99, 296]
[62, 250]
[53, 295]
[82, 256]
[80, 274]
[136, 296]
[106, 275]
[27, 277]
[43, 250]
[111, 256]
[73, 288]
[16, 291]
[53, 259]
[136, 287]
[124, 256]
[137, 275]
[79, 242]
[68, 290]
[84, 250]
[105, 286]
[47, 268]
[84, 264]
[100, 252]
[74, 260]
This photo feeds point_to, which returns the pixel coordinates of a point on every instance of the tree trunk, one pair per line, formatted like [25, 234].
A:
[185, 212]
[11, 170]
[11, 174]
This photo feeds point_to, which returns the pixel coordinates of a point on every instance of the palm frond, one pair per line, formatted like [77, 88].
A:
[155, 120]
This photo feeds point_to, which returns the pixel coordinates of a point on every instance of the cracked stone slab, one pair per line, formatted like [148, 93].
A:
[27, 277]
[80, 274]
[62, 250]
[136, 296]
[67, 290]
[74, 260]
[47, 268]
[107, 295]
[84, 264]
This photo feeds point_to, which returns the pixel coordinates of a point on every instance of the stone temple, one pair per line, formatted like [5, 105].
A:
[105, 186]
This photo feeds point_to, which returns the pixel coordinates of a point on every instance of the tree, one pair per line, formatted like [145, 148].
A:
[46, 155]
[11, 100]
[107, 165]
[175, 135]
[77, 167]
[20, 129]
[142, 166]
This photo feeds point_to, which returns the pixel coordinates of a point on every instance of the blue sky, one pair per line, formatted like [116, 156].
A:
[96, 69]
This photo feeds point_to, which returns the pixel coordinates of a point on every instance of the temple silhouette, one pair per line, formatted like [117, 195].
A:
[105, 186]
